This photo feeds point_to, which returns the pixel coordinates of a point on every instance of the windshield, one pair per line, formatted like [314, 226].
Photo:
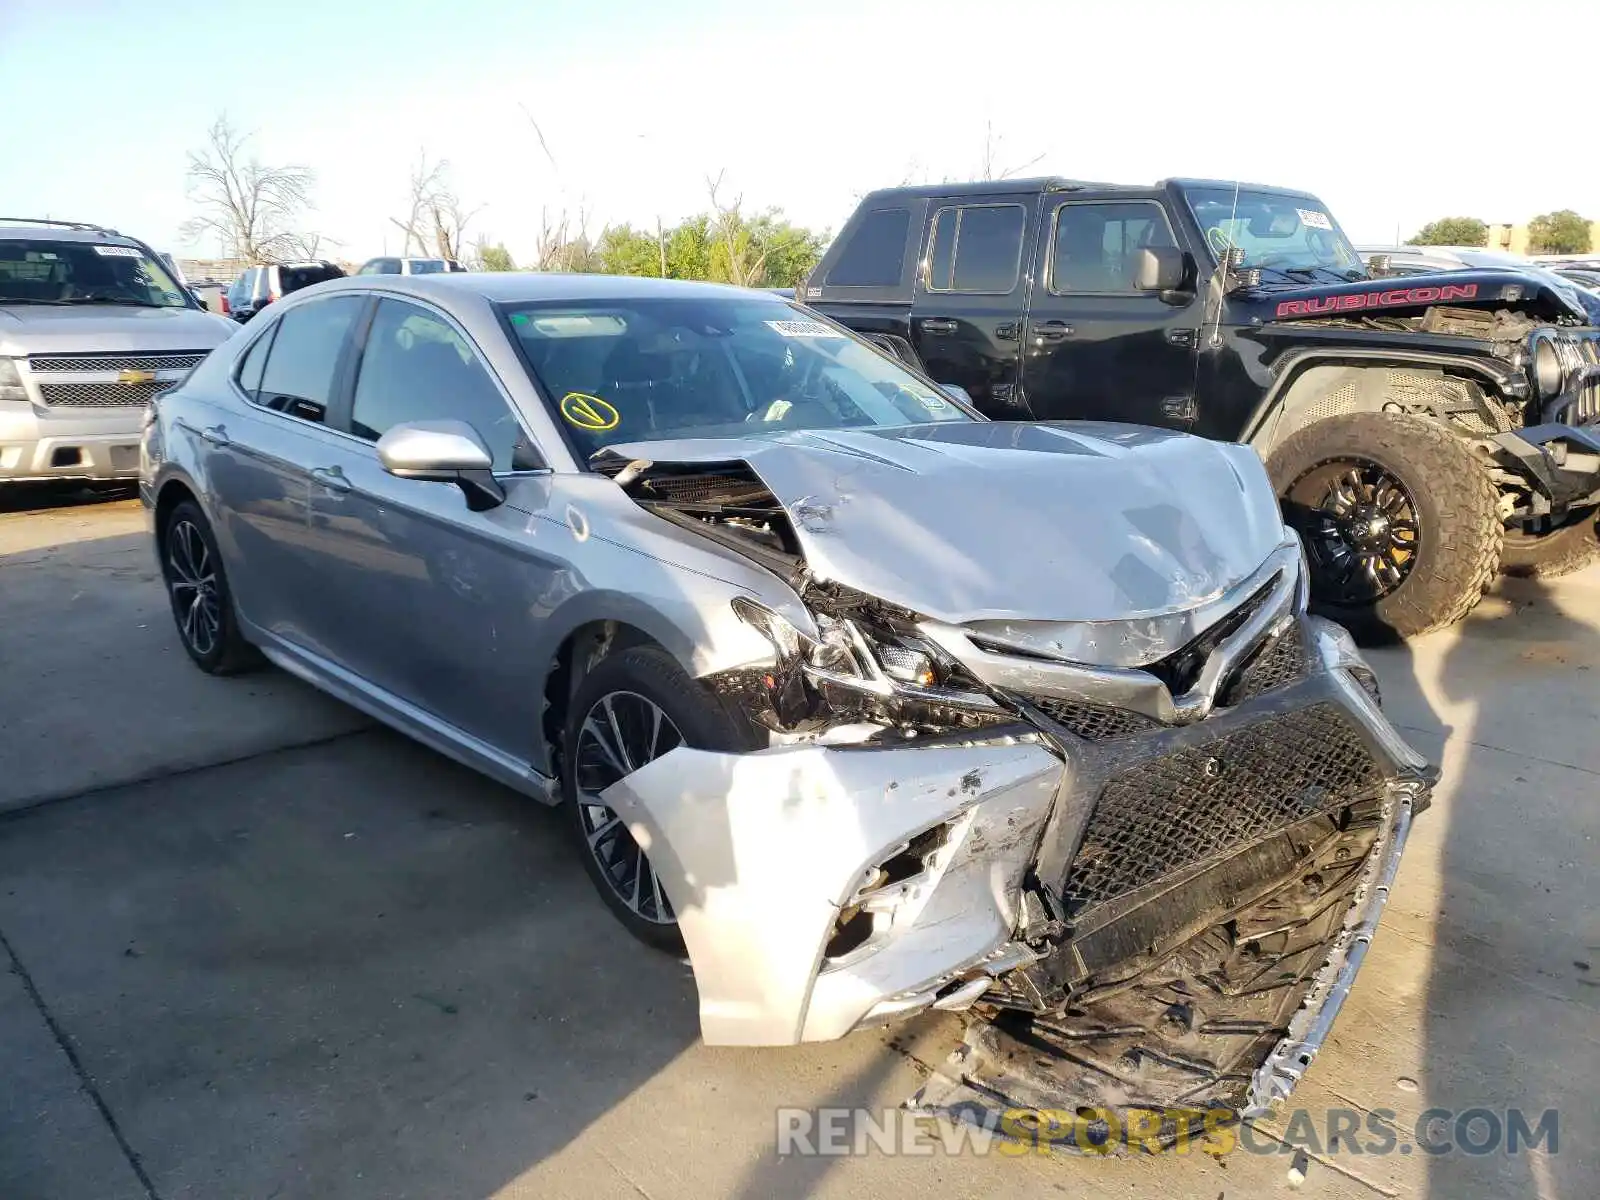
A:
[1290, 235]
[646, 370]
[48, 272]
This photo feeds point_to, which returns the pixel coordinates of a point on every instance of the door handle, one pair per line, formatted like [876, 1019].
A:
[331, 478]
[938, 325]
[217, 435]
[1050, 331]
[1186, 338]
[1007, 331]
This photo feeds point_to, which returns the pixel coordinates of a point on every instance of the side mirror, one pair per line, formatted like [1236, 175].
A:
[1158, 269]
[443, 452]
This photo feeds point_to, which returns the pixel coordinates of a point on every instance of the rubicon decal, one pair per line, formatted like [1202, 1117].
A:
[1390, 299]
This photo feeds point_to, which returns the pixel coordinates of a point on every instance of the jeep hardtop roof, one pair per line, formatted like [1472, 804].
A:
[1057, 183]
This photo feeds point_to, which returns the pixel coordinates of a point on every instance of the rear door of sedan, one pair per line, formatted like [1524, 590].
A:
[434, 603]
[258, 456]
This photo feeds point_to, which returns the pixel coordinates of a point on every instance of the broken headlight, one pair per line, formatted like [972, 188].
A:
[854, 669]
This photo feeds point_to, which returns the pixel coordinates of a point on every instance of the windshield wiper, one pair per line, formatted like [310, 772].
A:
[30, 300]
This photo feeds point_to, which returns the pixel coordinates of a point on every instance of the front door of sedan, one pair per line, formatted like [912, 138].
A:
[434, 604]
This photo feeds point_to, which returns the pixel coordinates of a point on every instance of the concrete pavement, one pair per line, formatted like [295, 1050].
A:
[258, 947]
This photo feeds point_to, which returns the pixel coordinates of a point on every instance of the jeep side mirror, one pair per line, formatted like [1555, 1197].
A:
[1158, 269]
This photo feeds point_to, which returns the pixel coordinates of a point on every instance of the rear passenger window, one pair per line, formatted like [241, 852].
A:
[298, 378]
[1096, 244]
[875, 252]
[976, 248]
[254, 361]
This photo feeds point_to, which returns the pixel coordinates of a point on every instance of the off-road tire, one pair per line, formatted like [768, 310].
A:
[1460, 531]
[704, 722]
[228, 653]
[1562, 551]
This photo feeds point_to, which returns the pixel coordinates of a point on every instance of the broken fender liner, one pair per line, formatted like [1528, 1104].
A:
[1224, 1023]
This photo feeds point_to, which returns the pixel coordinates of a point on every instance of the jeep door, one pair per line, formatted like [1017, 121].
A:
[966, 318]
[1096, 347]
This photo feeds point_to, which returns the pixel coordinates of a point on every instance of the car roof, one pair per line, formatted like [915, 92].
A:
[511, 287]
[62, 233]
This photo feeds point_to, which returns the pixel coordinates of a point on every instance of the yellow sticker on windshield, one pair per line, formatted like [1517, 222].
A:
[589, 412]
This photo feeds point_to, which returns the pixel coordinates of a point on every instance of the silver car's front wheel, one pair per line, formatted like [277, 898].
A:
[635, 706]
[619, 734]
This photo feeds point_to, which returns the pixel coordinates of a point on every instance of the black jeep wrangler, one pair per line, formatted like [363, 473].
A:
[1423, 431]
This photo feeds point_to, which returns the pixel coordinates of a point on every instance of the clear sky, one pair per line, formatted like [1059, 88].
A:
[1394, 112]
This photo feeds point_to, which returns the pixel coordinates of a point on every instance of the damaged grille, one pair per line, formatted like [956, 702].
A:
[1094, 722]
[1206, 799]
[1280, 661]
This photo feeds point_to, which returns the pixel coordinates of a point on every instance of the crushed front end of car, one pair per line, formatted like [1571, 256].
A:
[1143, 851]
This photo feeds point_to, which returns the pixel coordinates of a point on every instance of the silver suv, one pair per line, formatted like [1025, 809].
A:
[92, 326]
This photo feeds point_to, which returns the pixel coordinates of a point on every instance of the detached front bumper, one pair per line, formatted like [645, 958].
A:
[760, 854]
[1220, 883]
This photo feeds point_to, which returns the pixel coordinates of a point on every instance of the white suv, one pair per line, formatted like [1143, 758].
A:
[92, 325]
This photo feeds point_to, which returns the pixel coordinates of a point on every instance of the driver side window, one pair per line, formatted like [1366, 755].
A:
[1095, 245]
[416, 367]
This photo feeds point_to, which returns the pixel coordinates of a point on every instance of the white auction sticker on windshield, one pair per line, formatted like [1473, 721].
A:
[804, 329]
[1315, 219]
[118, 252]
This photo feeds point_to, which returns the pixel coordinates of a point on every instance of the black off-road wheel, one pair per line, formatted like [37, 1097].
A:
[635, 706]
[1569, 547]
[197, 586]
[1399, 518]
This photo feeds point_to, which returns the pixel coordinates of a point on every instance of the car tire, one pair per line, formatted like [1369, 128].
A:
[620, 697]
[1568, 548]
[1400, 471]
[197, 587]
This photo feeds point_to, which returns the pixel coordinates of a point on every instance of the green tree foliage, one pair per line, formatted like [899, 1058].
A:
[495, 258]
[1563, 232]
[1452, 231]
[766, 249]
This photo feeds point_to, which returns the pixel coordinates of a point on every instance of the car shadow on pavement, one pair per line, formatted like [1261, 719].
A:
[1510, 999]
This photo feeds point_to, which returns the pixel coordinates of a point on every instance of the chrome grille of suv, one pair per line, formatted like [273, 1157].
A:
[173, 360]
[1207, 799]
[101, 395]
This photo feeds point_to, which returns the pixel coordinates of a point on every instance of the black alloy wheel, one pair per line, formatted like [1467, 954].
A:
[1360, 528]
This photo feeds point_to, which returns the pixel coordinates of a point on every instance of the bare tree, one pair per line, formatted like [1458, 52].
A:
[251, 208]
[990, 167]
[747, 262]
[307, 245]
[564, 243]
[437, 221]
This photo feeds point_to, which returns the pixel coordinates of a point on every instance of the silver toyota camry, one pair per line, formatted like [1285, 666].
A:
[867, 704]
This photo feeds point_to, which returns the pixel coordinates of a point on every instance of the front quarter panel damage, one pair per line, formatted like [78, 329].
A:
[760, 853]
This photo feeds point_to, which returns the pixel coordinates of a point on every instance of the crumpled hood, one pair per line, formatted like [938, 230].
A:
[51, 329]
[1065, 521]
[1535, 292]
